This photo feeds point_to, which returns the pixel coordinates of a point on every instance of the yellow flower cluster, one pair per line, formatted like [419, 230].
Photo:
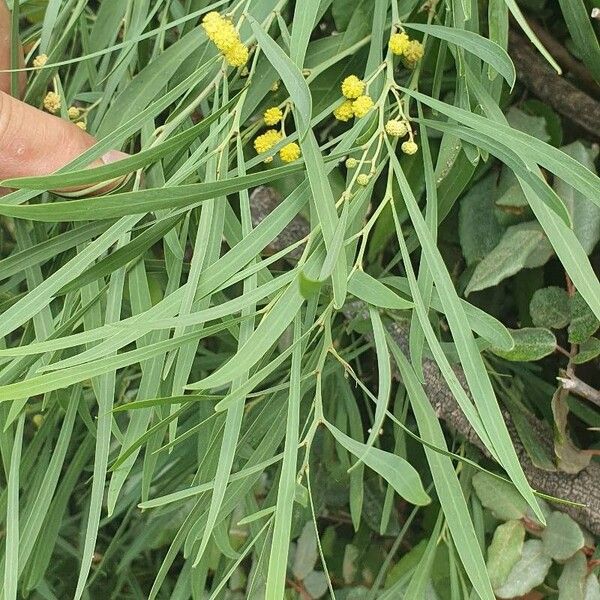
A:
[353, 87]
[264, 142]
[344, 112]
[290, 152]
[409, 147]
[363, 179]
[222, 32]
[358, 104]
[73, 113]
[272, 115]
[411, 51]
[396, 128]
[52, 102]
[40, 60]
[399, 43]
[362, 105]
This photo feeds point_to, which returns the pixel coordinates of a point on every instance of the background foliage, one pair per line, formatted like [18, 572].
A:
[186, 415]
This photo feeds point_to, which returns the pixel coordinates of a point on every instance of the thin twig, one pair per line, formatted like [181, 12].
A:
[573, 384]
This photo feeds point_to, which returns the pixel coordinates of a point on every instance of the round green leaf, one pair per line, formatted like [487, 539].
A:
[549, 307]
[528, 573]
[531, 343]
[505, 551]
[562, 537]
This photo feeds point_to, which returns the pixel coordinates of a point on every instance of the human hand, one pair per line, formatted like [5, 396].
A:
[33, 142]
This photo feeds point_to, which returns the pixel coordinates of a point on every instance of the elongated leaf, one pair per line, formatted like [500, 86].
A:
[488, 51]
[394, 469]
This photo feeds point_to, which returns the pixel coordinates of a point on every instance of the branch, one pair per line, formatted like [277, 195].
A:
[573, 384]
[538, 77]
[582, 488]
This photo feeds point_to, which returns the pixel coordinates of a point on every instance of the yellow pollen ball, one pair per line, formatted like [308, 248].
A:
[238, 55]
[267, 140]
[352, 87]
[363, 179]
[273, 115]
[414, 53]
[409, 147]
[396, 128]
[40, 60]
[290, 152]
[362, 105]
[52, 102]
[399, 42]
[344, 112]
[81, 125]
[73, 112]
[351, 163]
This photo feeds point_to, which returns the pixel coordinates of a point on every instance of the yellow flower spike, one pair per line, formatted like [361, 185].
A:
[399, 43]
[290, 152]
[363, 179]
[222, 32]
[267, 140]
[238, 55]
[396, 128]
[40, 60]
[413, 53]
[73, 112]
[273, 115]
[352, 87]
[344, 112]
[351, 163]
[409, 147]
[362, 105]
[52, 102]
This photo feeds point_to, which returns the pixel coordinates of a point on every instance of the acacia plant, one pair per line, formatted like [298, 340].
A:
[310, 345]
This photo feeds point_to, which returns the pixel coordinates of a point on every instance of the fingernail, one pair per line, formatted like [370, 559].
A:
[113, 156]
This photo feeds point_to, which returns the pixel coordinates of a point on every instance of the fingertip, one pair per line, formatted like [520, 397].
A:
[113, 156]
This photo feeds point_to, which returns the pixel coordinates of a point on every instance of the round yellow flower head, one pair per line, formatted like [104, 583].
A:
[396, 128]
[81, 125]
[362, 105]
[38, 420]
[352, 87]
[363, 179]
[290, 152]
[52, 102]
[40, 60]
[344, 112]
[237, 56]
[267, 140]
[399, 42]
[351, 163]
[413, 53]
[73, 112]
[273, 115]
[409, 147]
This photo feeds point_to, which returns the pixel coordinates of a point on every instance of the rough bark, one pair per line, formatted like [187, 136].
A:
[540, 78]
